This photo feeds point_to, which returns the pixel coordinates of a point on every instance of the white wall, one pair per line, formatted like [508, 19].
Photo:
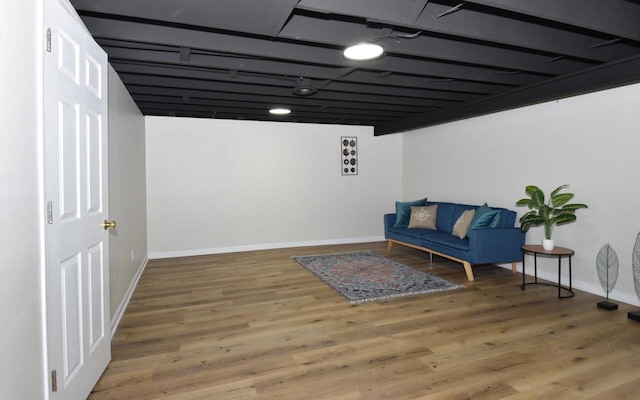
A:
[127, 195]
[590, 142]
[221, 185]
[22, 354]
[21, 303]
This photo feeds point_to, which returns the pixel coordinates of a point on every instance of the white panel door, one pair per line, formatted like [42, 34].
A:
[76, 243]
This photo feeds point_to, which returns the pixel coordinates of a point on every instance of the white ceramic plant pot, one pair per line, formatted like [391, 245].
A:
[548, 244]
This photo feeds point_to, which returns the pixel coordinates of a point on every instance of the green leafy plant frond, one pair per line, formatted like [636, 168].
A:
[558, 189]
[560, 199]
[572, 207]
[556, 211]
[564, 219]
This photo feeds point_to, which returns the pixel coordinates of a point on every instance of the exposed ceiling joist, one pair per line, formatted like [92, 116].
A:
[617, 18]
[443, 59]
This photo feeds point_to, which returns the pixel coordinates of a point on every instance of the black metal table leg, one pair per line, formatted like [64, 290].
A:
[557, 251]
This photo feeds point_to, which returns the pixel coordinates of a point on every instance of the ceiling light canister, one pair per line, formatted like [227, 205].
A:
[363, 51]
[303, 87]
[280, 111]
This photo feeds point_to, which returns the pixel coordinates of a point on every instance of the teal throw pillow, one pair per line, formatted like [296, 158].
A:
[403, 212]
[485, 217]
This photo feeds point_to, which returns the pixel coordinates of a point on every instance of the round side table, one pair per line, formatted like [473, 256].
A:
[559, 252]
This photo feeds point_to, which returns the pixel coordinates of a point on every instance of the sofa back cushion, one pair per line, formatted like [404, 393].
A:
[507, 218]
[448, 214]
[445, 217]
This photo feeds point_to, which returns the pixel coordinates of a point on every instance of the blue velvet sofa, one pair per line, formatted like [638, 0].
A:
[489, 245]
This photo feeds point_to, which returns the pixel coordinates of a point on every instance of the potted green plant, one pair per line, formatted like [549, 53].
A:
[555, 211]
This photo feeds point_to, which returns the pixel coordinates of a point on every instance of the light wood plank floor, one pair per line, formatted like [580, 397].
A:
[256, 325]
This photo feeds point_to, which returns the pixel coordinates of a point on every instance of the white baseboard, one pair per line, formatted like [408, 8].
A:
[127, 296]
[628, 298]
[267, 246]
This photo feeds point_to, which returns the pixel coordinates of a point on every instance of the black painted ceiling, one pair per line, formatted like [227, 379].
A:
[443, 61]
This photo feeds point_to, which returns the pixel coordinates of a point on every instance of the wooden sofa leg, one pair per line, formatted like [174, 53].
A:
[514, 267]
[389, 245]
[467, 269]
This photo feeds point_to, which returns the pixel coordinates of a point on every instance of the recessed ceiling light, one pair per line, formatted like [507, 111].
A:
[303, 87]
[280, 111]
[363, 51]
[304, 91]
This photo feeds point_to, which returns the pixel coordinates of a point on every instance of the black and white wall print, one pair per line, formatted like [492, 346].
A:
[349, 150]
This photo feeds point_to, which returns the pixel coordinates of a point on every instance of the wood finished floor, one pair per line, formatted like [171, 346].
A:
[256, 325]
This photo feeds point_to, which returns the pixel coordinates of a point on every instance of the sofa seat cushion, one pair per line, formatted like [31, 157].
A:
[429, 238]
[437, 240]
[408, 235]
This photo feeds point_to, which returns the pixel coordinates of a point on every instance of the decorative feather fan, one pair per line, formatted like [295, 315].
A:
[607, 265]
[635, 315]
[636, 265]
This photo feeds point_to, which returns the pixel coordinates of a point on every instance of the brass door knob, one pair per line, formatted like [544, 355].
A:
[106, 224]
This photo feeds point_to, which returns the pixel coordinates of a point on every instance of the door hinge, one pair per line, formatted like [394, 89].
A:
[49, 40]
[49, 212]
[54, 380]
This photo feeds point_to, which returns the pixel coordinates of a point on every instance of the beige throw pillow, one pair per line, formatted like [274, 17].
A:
[423, 217]
[461, 226]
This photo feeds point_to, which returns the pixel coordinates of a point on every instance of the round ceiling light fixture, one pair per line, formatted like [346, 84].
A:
[363, 51]
[280, 111]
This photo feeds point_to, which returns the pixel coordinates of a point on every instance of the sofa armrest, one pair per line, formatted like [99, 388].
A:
[389, 221]
[495, 245]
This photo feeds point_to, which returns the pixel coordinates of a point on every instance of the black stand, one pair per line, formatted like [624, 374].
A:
[607, 305]
[634, 316]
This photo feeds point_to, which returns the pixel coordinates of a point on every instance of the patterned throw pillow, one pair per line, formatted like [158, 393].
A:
[423, 217]
[463, 223]
[403, 211]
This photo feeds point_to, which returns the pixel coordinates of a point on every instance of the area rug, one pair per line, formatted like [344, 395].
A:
[366, 276]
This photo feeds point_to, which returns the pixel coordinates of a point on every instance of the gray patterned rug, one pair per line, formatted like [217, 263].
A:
[366, 276]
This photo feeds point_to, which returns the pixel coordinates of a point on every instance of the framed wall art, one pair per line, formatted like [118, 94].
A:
[349, 153]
